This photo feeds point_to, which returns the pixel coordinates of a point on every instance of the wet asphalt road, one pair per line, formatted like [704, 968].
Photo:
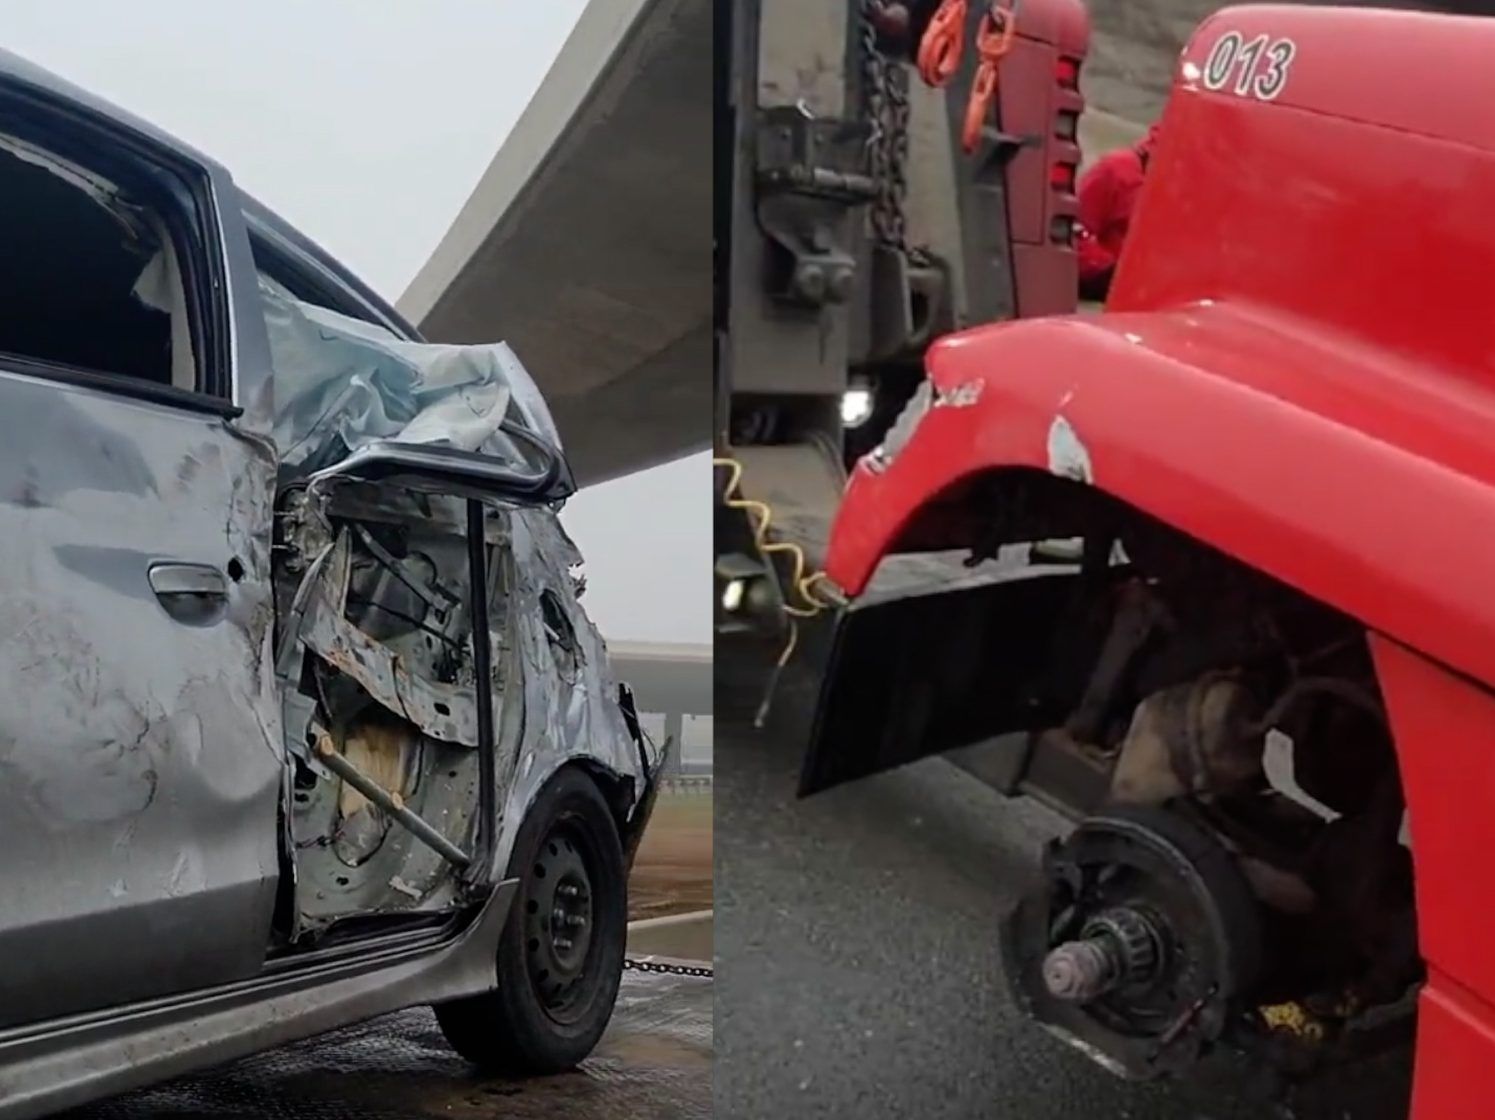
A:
[655, 1061]
[857, 966]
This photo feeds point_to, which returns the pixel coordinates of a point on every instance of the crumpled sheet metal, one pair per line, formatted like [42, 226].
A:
[445, 711]
[570, 709]
[341, 384]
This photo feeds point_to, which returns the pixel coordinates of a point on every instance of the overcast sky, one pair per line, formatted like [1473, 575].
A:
[367, 123]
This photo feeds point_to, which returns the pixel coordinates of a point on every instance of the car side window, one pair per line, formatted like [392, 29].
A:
[96, 278]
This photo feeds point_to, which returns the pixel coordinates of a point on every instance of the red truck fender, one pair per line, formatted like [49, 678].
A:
[1330, 468]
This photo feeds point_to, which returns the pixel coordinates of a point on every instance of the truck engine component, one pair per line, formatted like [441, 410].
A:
[1197, 738]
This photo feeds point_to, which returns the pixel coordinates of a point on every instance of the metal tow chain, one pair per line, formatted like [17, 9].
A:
[634, 965]
[885, 91]
[897, 76]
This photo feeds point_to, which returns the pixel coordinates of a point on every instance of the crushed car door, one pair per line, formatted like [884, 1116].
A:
[409, 470]
[140, 772]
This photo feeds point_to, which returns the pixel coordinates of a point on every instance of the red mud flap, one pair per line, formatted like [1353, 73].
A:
[907, 677]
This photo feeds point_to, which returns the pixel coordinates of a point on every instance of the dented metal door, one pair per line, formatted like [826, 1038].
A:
[140, 768]
[138, 779]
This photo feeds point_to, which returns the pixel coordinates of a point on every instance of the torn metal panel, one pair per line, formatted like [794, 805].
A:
[380, 664]
[362, 830]
[441, 710]
[565, 722]
[356, 858]
[555, 703]
[388, 632]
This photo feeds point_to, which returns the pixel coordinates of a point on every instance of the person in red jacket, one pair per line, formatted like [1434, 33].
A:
[1108, 196]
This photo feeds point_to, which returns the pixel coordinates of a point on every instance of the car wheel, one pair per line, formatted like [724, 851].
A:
[560, 957]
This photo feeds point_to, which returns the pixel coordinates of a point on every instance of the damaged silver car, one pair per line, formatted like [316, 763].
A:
[304, 721]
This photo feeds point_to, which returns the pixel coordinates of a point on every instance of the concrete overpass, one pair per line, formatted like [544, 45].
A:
[668, 679]
[587, 243]
[665, 676]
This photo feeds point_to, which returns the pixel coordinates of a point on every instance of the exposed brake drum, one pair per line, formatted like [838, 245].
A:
[1139, 944]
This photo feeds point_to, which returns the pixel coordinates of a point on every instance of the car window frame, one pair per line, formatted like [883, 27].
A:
[180, 192]
[313, 282]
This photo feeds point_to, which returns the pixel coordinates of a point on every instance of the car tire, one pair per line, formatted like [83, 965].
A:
[560, 956]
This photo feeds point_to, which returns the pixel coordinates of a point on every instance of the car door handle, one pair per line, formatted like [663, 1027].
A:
[201, 581]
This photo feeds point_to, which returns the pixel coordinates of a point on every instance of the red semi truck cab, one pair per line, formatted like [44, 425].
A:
[1264, 692]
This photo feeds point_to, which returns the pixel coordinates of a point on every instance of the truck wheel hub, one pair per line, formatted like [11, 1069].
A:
[1117, 948]
[1139, 944]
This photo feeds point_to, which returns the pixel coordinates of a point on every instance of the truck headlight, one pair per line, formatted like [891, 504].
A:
[733, 594]
[747, 595]
[856, 405]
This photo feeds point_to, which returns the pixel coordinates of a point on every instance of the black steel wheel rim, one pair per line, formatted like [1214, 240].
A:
[560, 919]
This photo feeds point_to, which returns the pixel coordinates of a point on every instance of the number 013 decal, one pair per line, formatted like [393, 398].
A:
[1256, 68]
